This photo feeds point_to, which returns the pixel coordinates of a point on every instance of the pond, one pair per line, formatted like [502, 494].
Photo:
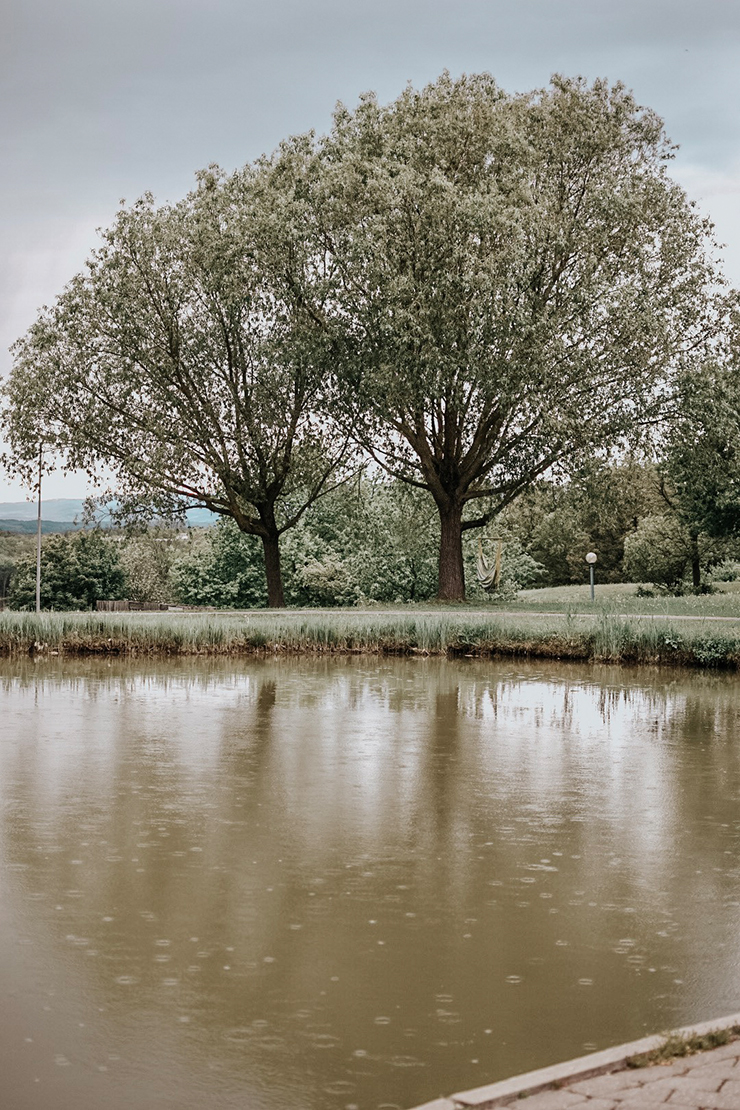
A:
[302, 884]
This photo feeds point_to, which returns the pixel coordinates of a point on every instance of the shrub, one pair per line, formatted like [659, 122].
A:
[659, 551]
[77, 569]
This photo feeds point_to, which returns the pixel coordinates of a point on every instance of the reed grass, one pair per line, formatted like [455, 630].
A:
[602, 637]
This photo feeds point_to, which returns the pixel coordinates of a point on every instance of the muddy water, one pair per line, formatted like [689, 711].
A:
[305, 885]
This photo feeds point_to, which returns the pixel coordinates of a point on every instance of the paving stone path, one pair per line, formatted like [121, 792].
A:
[707, 1081]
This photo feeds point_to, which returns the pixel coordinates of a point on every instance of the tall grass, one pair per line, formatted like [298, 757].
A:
[603, 637]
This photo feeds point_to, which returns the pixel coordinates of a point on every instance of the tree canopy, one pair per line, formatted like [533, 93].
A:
[184, 359]
[478, 286]
[521, 275]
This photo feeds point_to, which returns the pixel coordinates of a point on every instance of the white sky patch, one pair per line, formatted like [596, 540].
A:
[38, 263]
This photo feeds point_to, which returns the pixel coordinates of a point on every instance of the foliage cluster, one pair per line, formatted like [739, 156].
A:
[77, 569]
[13, 546]
[636, 520]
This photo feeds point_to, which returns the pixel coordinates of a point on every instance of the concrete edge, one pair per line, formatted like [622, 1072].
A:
[570, 1071]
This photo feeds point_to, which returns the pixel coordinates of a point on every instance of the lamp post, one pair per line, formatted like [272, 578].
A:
[591, 559]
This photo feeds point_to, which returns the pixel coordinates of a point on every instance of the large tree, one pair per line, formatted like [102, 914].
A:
[520, 277]
[192, 358]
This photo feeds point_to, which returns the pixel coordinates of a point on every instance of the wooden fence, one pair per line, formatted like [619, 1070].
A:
[131, 606]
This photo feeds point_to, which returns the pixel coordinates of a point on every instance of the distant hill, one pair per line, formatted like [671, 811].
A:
[62, 509]
[28, 527]
[59, 514]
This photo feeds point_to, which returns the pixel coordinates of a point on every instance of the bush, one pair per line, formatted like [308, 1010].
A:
[726, 571]
[659, 551]
[223, 567]
[77, 569]
[147, 561]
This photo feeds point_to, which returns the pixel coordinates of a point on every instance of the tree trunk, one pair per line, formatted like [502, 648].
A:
[695, 565]
[271, 546]
[451, 570]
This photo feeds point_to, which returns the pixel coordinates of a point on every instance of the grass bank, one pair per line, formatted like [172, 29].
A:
[603, 637]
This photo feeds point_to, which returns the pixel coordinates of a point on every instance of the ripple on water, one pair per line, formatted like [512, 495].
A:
[239, 1035]
[270, 1043]
[340, 1087]
[321, 1040]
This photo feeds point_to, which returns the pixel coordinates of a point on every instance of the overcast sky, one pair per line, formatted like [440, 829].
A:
[103, 99]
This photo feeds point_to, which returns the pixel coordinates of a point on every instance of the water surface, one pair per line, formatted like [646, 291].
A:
[318, 885]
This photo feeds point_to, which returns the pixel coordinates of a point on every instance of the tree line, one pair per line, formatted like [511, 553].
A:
[473, 291]
[375, 541]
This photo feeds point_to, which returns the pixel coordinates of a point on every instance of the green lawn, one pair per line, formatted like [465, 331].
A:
[621, 598]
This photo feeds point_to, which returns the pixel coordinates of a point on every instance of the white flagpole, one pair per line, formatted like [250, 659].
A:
[38, 544]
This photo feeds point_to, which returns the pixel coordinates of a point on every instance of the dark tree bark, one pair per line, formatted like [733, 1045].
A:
[451, 569]
[271, 546]
[695, 564]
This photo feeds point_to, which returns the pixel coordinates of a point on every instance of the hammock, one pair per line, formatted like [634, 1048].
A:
[489, 570]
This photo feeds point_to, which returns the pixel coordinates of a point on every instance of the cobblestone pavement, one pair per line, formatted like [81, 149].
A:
[708, 1081]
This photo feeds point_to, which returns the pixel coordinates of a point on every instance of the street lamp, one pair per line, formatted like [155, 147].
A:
[591, 559]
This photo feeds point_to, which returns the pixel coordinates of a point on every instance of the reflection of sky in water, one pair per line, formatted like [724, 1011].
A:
[335, 883]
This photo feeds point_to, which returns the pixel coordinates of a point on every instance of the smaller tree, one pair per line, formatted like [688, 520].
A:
[77, 570]
[662, 550]
[658, 551]
[700, 457]
[147, 558]
[188, 359]
[372, 540]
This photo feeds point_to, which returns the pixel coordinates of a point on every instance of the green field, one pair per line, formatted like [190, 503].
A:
[622, 598]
